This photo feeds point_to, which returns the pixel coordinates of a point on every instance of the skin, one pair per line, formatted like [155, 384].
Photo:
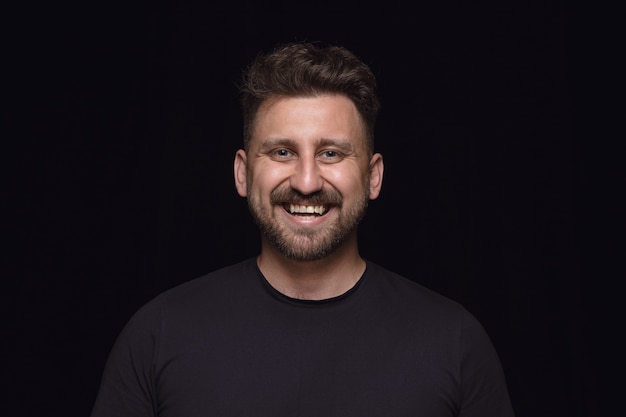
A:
[309, 151]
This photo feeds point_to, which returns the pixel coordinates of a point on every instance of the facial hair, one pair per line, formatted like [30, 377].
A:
[305, 244]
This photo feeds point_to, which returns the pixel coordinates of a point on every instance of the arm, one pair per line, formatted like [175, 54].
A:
[483, 385]
[127, 386]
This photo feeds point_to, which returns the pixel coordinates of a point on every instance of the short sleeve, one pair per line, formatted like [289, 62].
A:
[483, 385]
[127, 386]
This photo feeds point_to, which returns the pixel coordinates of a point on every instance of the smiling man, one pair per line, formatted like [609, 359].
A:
[308, 174]
[308, 327]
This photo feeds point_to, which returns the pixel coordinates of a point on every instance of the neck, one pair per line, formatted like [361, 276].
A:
[313, 280]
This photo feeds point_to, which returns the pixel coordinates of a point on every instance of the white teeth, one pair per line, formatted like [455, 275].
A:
[307, 209]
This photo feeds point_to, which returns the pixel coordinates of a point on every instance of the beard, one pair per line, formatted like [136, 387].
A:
[307, 244]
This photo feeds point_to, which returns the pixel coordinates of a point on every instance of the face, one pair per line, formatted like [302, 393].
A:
[308, 175]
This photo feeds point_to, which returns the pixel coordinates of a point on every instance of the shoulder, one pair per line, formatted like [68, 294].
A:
[422, 306]
[216, 284]
[214, 290]
[405, 290]
[424, 312]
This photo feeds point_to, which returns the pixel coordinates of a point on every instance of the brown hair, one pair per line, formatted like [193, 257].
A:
[305, 69]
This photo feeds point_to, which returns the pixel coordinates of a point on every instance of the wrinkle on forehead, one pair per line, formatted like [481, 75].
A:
[326, 120]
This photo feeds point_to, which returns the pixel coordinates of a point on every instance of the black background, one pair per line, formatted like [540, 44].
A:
[125, 189]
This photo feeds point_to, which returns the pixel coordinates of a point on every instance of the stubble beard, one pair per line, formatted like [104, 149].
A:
[305, 244]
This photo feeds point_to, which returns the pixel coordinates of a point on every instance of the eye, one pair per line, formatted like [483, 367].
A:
[330, 156]
[282, 154]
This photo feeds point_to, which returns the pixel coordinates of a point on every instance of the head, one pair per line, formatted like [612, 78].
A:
[308, 168]
[308, 70]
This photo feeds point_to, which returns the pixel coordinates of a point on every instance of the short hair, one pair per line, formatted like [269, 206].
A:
[303, 69]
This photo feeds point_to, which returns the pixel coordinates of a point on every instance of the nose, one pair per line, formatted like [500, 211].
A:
[306, 178]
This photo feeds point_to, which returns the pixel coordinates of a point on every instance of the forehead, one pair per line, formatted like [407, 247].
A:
[323, 116]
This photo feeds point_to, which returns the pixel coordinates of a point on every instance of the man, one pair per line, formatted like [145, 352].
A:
[307, 328]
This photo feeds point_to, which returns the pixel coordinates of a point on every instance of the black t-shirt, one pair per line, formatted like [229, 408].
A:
[228, 344]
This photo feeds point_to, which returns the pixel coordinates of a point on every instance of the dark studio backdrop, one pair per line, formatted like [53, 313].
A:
[127, 183]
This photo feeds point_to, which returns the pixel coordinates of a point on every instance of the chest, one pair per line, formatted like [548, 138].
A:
[269, 363]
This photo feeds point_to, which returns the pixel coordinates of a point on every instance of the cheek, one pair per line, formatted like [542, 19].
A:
[265, 180]
[346, 180]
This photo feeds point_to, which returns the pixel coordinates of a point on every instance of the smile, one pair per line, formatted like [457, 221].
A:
[301, 209]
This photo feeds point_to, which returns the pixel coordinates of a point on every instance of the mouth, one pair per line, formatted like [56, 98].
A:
[299, 210]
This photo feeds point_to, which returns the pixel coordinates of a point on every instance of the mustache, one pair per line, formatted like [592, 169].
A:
[291, 196]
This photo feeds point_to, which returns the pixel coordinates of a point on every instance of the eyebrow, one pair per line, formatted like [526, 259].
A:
[343, 144]
[277, 142]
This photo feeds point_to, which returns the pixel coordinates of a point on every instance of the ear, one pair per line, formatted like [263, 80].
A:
[240, 170]
[376, 175]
